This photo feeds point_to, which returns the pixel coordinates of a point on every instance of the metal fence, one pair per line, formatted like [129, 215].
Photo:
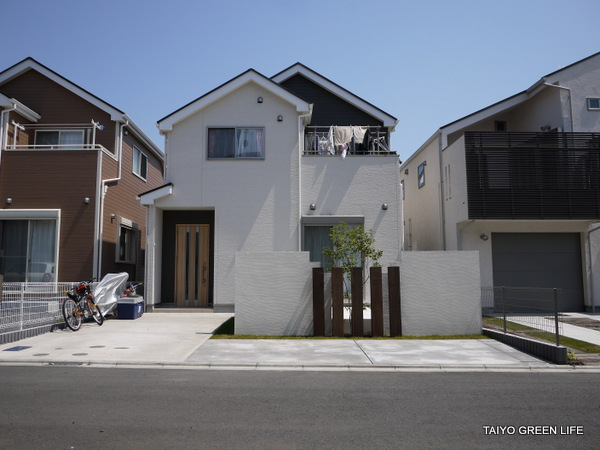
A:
[526, 311]
[30, 305]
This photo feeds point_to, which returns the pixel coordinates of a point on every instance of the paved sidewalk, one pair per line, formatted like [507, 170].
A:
[181, 340]
[581, 333]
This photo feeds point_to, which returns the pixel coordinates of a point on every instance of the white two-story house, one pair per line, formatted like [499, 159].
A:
[265, 165]
[519, 181]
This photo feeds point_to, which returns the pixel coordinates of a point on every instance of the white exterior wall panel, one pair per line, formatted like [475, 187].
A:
[255, 201]
[357, 186]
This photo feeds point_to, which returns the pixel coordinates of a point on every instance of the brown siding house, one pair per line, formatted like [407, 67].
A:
[71, 166]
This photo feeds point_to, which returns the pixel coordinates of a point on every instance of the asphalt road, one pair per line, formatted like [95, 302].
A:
[65, 407]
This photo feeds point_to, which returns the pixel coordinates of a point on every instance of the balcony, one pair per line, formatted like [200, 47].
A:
[321, 141]
[533, 175]
[58, 147]
[50, 137]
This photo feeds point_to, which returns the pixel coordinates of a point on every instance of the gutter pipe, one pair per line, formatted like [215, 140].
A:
[300, 153]
[442, 206]
[570, 101]
[102, 194]
[4, 128]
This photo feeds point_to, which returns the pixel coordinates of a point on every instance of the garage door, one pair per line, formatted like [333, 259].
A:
[540, 260]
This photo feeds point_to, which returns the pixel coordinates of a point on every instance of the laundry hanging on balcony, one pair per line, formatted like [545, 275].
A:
[345, 135]
[343, 140]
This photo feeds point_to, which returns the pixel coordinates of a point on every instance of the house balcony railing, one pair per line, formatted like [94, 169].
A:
[57, 147]
[533, 175]
[346, 140]
[60, 147]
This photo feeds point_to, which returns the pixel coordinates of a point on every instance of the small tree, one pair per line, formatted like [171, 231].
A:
[352, 247]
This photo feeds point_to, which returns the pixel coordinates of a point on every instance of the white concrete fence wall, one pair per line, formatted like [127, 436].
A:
[440, 294]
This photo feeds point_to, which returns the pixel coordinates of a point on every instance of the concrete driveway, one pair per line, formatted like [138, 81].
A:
[182, 340]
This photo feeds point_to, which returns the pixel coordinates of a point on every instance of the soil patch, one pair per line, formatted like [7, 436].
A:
[582, 322]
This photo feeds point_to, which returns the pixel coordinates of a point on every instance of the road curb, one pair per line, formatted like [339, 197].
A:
[441, 368]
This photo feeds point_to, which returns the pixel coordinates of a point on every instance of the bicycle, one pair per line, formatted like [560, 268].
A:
[80, 305]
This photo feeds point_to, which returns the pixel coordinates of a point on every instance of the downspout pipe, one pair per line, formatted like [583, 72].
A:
[570, 101]
[300, 153]
[442, 205]
[4, 128]
[103, 191]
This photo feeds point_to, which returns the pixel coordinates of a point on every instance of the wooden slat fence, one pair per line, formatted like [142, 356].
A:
[357, 320]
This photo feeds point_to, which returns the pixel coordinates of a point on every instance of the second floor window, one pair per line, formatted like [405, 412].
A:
[236, 143]
[61, 139]
[421, 175]
[140, 163]
[593, 103]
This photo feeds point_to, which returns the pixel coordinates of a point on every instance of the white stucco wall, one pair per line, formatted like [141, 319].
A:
[273, 293]
[255, 201]
[357, 186]
[422, 206]
[582, 79]
[456, 205]
[440, 294]
[258, 204]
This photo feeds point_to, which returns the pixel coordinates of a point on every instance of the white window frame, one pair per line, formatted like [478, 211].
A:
[421, 174]
[595, 100]
[39, 214]
[330, 222]
[131, 229]
[58, 145]
[142, 162]
[235, 157]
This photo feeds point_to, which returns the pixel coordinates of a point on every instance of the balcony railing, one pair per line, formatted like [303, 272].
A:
[57, 147]
[533, 175]
[321, 141]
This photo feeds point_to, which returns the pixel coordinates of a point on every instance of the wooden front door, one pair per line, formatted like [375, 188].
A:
[192, 263]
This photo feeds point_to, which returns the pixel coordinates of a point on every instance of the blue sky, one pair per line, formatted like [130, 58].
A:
[425, 62]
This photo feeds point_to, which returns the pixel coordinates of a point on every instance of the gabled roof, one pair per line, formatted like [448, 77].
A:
[30, 63]
[299, 68]
[491, 110]
[250, 76]
[23, 110]
[509, 102]
[115, 114]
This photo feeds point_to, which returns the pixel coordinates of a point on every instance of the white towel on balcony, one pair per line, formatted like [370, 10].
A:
[359, 134]
[342, 136]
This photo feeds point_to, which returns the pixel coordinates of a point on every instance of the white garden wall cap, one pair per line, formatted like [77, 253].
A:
[250, 76]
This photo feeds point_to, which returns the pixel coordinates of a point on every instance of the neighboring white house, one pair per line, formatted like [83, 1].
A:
[265, 165]
[519, 181]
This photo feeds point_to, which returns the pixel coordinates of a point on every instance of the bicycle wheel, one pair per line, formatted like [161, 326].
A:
[71, 314]
[96, 313]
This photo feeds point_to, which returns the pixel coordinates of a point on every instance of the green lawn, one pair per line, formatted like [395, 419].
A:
[575, 344]
[226, 331]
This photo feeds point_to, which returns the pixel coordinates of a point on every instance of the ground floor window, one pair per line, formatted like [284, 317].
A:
[127, 242]
[316, 236]
[28, 250]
